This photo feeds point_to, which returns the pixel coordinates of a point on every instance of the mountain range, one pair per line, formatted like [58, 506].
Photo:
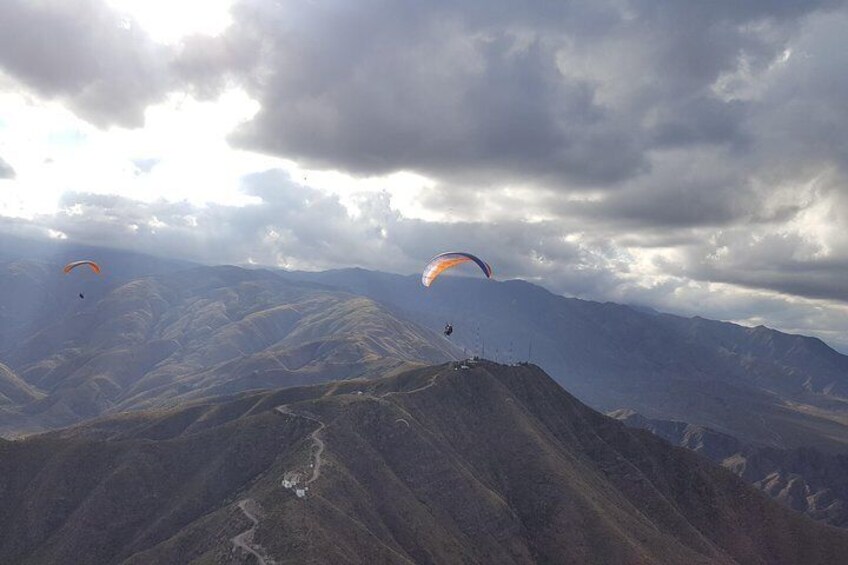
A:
[172, 329]
[153, 336]
[802, 478]
[757, 384]
[445, 464]
[197, 332]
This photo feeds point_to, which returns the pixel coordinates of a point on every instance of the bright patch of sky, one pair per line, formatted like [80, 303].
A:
[180, 154]
[168, 21]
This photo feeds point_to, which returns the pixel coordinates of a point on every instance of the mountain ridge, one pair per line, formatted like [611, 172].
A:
[753, 383]
[209, 330]
[801, 478]
[493, 464]
[757, 384]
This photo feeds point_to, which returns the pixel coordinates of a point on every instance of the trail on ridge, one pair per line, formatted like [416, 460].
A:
[244, 540]
[317, 453]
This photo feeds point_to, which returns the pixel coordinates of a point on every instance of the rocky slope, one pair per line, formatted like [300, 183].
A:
[804, 479]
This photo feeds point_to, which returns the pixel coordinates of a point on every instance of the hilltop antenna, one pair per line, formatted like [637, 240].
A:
[530, 351]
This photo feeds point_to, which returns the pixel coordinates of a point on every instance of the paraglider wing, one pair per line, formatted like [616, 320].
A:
[74, 264]
[441, 263]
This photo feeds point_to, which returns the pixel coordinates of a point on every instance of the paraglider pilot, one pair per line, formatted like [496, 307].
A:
[448, 329]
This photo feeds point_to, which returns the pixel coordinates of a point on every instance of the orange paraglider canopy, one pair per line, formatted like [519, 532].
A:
[441, 263]
[74, 264]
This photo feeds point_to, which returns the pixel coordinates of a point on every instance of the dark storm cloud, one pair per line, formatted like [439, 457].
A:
[83, 52]
[702, 190]
[6, 170]
[801, 116]
[467, 89]
[702, 119]
[689, 110]
[383, 86]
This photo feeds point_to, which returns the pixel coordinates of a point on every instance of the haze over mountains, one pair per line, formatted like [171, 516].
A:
[33, 295]
[493, 464]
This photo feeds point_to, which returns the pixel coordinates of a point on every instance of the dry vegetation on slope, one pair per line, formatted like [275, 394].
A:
[493, 464]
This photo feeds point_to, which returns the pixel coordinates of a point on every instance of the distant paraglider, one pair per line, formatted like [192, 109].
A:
[448, 329]
[74, 264]
[444, 261]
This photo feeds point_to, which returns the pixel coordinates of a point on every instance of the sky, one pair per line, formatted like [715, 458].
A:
[687, 156]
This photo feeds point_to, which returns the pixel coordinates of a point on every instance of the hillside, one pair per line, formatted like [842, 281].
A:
[803, 478]
[165, 339]
[757, 384]
[493, 464]
[34, 292]
[13, 390]
[118, 349]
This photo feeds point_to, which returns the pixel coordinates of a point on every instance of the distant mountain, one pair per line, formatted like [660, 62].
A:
[757, 384]
[13, 390]
[710, 443]
[121, 263]
[205, 331]
[493, 464]
[804, 479]
[34, 291]
[14, 393]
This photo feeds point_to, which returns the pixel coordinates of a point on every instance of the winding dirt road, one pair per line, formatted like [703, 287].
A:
[244, 540]
[430, 383]
[317, 453]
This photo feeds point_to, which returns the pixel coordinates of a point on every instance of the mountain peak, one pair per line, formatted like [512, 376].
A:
[491, 463]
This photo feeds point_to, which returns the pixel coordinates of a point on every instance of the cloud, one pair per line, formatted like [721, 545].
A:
[294, 226]
[289, 225]
[6, 170]
[449, 91]
[145, 165]
[575, 94]
[86, 54]
[297, 227]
